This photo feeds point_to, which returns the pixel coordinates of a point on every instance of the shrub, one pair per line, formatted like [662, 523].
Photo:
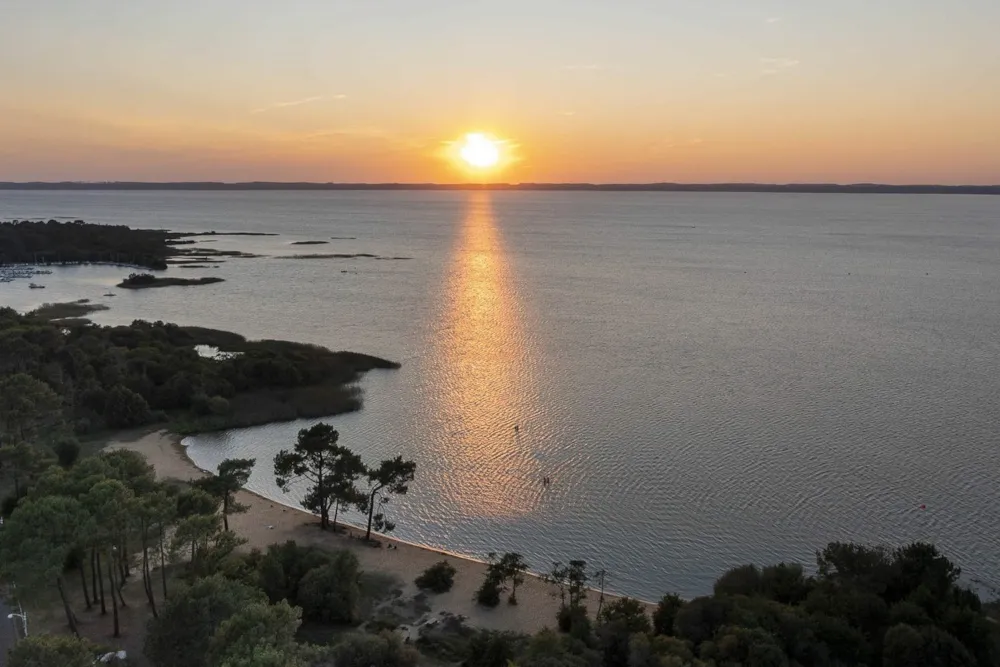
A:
[909, 613]
[67, 451]
[743, 580]
[666, 611]
[281, 569]
[438, 578]
[631, 613]
[139, 279]
[698, 620]
[574, 621]
[180, 637]
[785, 583]
[488, 594]
[331, 593]
[217, 405]
[43, 650]
[252, 631]
[492, 649]
[383, 650]
[125, 408]
[744, 646]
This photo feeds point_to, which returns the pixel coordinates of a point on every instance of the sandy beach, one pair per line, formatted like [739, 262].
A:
[267, 522]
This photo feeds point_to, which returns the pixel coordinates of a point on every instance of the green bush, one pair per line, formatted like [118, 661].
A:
[67, 451]
[330, 593]
[282, 567]
[492, 649]
[180, 637]
[628, 611]
[438, 578]
[743, 580]
[217, 405]
[785, 583]
[666, 611]
[383, 650]
[573, 620]
[125, 408]
[52, 651]
[699, 619]
[488, 594]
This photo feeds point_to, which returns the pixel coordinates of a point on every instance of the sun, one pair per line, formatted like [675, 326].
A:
[480, 151]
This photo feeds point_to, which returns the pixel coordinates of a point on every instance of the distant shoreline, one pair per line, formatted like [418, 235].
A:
[787, 188]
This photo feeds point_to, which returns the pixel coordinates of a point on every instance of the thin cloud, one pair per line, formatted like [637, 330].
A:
[773, 19]
[776, 65]
[583, 68]
[567, 113]
[295, 103]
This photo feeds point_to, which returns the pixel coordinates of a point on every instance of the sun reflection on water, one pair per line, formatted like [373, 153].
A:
[488, 466]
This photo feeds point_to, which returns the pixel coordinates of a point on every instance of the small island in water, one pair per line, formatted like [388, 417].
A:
[147, 280]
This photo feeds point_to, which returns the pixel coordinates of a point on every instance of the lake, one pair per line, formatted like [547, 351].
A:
[707, 379]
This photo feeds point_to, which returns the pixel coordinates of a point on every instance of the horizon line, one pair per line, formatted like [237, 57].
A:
[660, 186]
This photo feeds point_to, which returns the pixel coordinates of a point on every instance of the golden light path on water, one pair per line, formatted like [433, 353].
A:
[488, 467]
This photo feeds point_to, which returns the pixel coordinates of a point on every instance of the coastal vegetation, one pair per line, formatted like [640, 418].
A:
[57, 380]
[85, 530]
[68, 310]
[55, 242]
[501, 571]
[79, 242]
[145, 280]
[438, 578]
[332, 472]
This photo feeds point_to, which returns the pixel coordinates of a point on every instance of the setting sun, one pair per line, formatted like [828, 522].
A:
[480, 150]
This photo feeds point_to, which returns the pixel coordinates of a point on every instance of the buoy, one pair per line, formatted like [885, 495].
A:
[923, 507]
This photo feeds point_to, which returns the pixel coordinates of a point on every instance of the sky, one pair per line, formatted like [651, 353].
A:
[892, 91]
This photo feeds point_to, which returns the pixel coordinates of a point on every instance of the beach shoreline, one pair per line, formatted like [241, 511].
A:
[268, 522]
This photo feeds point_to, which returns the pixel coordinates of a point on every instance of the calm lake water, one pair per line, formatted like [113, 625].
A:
[708, 379]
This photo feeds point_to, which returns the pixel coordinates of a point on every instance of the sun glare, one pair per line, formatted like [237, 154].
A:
[480, 151]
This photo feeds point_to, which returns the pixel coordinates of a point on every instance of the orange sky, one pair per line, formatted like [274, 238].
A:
[590, 90]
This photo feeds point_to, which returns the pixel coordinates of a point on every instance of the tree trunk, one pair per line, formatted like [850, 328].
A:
[163, 565]
[336, 511]
[147, 585]
[100, 580]
[114, 599]
[371, 512]
[225, 511]
[93, 576]
[126, 565]
[70, 617]
[83, 582]
[118, 589]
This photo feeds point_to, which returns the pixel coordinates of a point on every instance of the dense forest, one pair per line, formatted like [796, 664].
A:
[55, 242]
[82, 379]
